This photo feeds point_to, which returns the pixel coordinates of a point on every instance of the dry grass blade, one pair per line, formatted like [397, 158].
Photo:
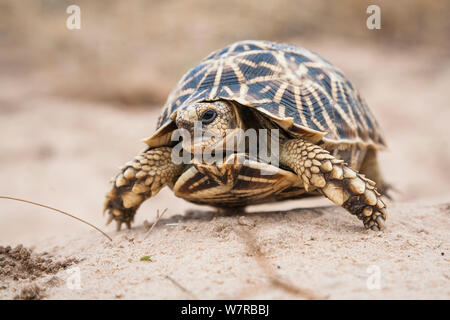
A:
[181, 287]
[158, 217]
[57, 210]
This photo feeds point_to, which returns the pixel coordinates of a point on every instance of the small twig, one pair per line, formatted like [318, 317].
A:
[181, 287]
[274, 278]
[57, 210]
[158, 217]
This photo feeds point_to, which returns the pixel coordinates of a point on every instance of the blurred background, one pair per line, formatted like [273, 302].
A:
[74, 103]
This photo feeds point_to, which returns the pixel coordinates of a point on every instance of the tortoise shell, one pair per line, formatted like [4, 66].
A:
[296, 88]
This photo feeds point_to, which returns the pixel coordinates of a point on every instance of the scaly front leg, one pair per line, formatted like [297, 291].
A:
[139, 180]
[342, 185]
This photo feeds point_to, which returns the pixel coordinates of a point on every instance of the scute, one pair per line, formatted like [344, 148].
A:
[298, 89]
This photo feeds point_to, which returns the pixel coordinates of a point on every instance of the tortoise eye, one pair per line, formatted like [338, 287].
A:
[208, 116]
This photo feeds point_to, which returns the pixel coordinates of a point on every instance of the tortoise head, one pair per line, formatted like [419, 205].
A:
[209, 124]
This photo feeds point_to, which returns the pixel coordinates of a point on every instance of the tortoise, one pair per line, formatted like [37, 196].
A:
[327, 138]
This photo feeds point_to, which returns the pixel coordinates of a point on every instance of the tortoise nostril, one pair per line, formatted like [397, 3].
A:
[188, 125]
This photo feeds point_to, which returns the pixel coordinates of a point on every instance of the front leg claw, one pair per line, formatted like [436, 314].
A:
[116, 210]
[140, 179]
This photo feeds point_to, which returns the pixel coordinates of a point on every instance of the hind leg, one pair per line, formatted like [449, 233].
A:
[371, 170]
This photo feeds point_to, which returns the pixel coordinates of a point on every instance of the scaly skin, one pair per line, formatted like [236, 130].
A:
[150, 171]
[342, 185]
[140, 179]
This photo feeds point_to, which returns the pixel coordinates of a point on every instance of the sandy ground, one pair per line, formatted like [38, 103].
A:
[62, 153]
[300, 253]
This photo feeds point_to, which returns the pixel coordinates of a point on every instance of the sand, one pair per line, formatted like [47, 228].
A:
[318, 253]
[62, 152]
